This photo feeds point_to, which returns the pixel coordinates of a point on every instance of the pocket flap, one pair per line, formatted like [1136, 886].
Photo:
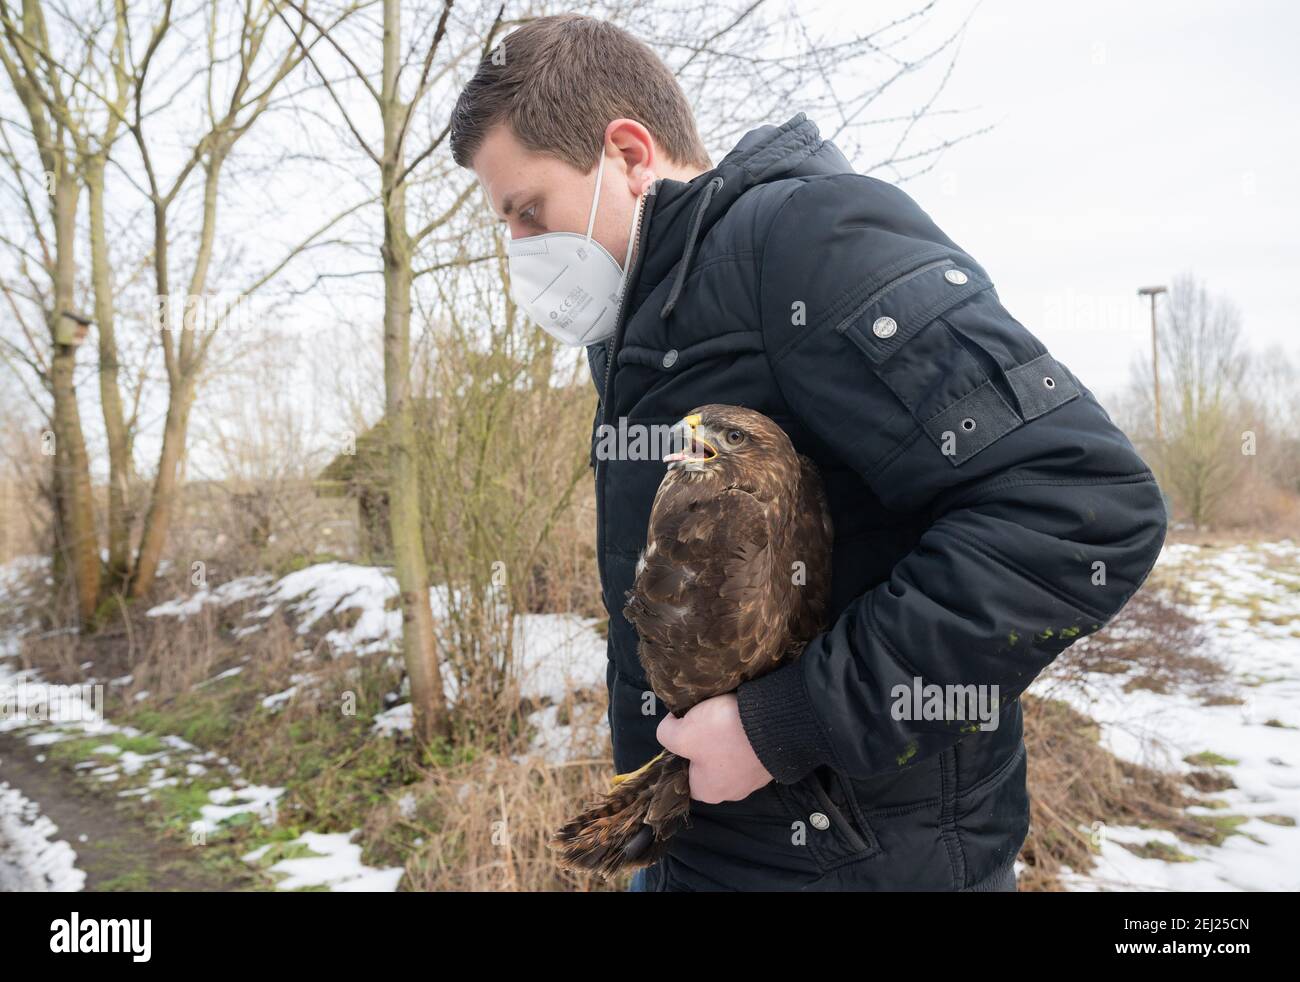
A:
[889, 317]
[971, 424]
[1040, 385]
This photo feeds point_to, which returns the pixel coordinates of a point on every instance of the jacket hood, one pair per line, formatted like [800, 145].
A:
[684, 211]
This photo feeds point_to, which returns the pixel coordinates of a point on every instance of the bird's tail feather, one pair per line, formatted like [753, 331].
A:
[630, 825]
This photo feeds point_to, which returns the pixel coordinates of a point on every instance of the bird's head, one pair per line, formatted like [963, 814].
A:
[735, 446]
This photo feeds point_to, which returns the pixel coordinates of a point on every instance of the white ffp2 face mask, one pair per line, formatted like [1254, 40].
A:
[567, 283]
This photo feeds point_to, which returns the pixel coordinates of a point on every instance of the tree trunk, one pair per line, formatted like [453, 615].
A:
[110, 395]
[161, 500]
[72, 466]
[419, 645]
[182, 352]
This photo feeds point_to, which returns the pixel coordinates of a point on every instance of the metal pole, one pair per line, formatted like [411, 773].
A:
[1153, 292]
[1155, 366]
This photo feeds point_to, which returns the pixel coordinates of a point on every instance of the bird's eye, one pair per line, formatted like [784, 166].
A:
[734, 437]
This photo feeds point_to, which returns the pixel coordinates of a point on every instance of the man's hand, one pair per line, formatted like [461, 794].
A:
[723, 765]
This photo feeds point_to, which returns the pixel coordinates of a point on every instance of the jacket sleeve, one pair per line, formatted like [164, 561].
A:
[1040, 520]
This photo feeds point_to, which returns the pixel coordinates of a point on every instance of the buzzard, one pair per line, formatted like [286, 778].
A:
[732, 583]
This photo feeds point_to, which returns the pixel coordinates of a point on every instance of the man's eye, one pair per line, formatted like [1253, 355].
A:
[529, 214]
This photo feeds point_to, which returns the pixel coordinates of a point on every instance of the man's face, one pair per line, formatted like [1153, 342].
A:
[534, 193]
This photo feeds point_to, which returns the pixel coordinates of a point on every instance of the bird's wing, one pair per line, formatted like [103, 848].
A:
[702, 602]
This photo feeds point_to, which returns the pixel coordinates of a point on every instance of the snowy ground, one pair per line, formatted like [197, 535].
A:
[32, 860]
[1248, 599]
[558, 654]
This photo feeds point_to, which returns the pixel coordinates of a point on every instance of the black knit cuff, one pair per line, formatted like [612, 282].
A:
[781, 725]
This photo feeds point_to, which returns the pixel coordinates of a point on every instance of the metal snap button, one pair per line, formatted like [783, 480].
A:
[670, 357]
[968, 424]
[884, 327]
[956, 277]
[1049, 381]
[819, 821]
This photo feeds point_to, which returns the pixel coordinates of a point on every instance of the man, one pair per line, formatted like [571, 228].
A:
[987, 511]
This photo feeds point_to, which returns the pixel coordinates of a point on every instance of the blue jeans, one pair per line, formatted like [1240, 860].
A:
[639, 878]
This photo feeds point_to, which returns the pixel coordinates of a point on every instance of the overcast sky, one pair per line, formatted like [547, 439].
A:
[1133, 141]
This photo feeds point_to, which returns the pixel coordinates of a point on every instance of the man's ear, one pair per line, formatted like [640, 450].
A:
[636, 148]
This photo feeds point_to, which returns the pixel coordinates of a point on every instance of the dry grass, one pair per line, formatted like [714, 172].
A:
[1152, 641]
[476, 816]
[1076, 786]
[484, 825]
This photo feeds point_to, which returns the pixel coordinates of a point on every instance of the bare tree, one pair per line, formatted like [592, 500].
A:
[93, 148]
[41, 88]
[394, 163]
[259, 69]
[1273, 381]
[115, 91]
[1203, 362]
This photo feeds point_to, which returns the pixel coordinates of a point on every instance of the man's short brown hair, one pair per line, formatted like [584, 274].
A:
[559, 81]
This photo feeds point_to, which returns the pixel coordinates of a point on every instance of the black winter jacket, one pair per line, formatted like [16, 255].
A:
[987, 513]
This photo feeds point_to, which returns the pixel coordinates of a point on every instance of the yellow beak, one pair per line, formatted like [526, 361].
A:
[687, 431]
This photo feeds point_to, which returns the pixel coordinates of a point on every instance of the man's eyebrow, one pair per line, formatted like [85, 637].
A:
[509, 202]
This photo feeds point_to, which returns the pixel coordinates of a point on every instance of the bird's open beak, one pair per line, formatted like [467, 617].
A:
[686, 434]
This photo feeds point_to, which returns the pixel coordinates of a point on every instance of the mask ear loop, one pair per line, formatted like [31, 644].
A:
[631, 232]
[595, 200]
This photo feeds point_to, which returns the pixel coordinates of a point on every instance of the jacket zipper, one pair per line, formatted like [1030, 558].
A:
[611, 346]
[897, 281]
[610, 353]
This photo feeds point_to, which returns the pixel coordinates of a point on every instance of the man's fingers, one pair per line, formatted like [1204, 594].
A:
[670, 736]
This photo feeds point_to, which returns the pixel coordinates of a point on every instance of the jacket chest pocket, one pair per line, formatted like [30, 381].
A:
[967, 372]
[834, 829]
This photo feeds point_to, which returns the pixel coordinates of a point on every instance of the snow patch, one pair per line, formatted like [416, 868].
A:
[31, 859]
[336, 864]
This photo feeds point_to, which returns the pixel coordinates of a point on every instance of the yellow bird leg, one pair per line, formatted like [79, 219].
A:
[620, 778]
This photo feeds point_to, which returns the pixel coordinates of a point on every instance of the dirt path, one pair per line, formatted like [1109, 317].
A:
[120, 850]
